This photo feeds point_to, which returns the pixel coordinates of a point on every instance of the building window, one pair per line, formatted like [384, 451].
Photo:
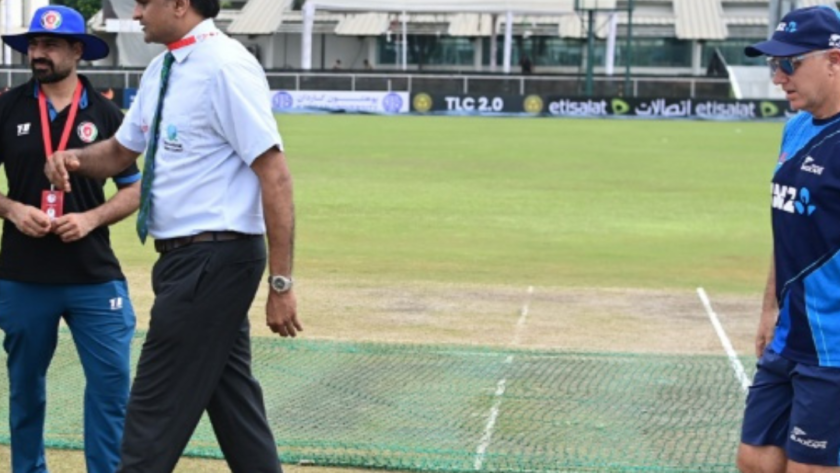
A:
[655, 52]
[544, 51]
[732, 51]
[427, 50]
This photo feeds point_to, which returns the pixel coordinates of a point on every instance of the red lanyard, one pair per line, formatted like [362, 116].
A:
[45, 122]
[189, 40]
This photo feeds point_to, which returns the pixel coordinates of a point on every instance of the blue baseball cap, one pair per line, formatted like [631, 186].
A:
[801, 31]
[57, 20]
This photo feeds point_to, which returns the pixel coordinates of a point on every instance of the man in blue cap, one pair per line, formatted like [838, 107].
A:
[55, 256]
[792, 417]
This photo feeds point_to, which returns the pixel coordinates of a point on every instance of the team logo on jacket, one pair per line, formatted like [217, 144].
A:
[51, 20]
[87, 132]
[792, 200]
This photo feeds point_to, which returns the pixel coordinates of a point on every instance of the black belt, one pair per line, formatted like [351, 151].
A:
[169, 244]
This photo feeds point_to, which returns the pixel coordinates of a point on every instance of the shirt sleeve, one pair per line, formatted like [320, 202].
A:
[131, 174]
[241, 106]
[130, 134]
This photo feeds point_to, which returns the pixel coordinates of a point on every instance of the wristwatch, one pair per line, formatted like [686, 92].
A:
[279, 284]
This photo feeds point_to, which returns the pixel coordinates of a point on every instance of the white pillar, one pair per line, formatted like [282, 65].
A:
[7, 27]
[696, 57]
[268, 55]
[494, 48]
[508, 40]
[371, 50]
[478, 52]
[610, 56]
[404, 20]
[306, 39]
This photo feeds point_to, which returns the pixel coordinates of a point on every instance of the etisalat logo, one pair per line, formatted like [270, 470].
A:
[619, 106]
[747, 109]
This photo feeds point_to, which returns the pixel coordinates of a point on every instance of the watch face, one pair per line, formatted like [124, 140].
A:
[280, 284]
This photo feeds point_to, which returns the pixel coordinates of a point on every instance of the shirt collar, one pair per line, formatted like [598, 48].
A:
[83, 100]
[202, 31]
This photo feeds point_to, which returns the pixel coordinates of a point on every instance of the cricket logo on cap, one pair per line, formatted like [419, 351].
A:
[51, 20]
[787, 27]
[87, 132]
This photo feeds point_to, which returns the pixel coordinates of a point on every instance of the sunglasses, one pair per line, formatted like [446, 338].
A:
[788, 65]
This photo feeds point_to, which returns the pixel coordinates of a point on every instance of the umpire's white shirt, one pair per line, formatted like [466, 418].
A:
[216, 121]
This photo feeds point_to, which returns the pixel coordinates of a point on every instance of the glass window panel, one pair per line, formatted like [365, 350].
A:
[655, 52]
[732, 51]
[427, 50]
[543, 51]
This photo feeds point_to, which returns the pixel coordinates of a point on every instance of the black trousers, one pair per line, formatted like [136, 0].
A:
[196, 357]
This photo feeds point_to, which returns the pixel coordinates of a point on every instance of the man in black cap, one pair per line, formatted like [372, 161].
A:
[56, 259]
[792, 417]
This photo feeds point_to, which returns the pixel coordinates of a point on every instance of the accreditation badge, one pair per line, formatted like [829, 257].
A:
[52, 203]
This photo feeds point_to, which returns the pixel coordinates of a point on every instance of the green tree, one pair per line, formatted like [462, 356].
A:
[87, 8]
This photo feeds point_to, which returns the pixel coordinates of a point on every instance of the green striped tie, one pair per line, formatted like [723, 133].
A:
[149, 165]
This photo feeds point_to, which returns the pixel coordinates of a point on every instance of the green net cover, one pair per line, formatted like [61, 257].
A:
[465, 409]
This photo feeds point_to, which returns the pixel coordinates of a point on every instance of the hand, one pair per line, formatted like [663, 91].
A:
[31, 221]
[74, 226]
[764, 336]
[281, 314]
[59, 166]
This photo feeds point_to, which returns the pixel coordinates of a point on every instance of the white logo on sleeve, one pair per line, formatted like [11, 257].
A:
[809, 166]
[116, 303]
[23, 129]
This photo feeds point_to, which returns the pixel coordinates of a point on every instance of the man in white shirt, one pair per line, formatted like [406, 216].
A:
[215, 181]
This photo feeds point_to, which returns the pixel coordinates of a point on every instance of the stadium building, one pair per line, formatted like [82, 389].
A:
[688, 40]
[670, 36]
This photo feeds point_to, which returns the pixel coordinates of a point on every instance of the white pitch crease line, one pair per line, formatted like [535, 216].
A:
[740, 374]
[523, 316]
[490, 427]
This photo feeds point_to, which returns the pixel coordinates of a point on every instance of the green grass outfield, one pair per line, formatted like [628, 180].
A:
[555, 202]
[550, 202]
[533, 201]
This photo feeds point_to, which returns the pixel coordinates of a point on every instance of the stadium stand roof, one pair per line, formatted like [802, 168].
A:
[259, 17]
[365, 24]
[452, 6]
[811, 3]
[682, 19]
[699, 19]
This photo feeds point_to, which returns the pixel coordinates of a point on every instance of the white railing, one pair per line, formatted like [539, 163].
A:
[434, 83]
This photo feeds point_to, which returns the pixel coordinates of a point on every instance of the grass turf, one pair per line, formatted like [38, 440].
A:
[553, 202]
[533, 201]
